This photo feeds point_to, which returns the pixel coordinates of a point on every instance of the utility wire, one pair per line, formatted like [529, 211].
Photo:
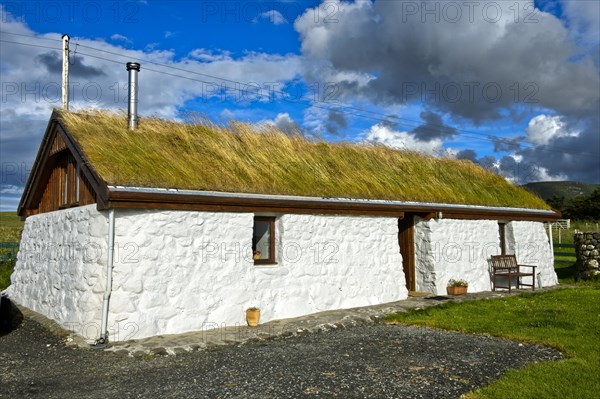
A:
[386, 118]
[381, 117]
[29, 44]
[30, 36]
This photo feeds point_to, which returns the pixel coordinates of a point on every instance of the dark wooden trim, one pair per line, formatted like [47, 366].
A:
[247, 208]
[99, 186]
[36, 170]
[533, 217]
[427, 216]
[45, 158]
[502, 232]
[160, 200]
[271, 260]
[406, 241]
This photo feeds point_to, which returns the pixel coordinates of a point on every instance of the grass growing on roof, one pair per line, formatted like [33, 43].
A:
[245, 158]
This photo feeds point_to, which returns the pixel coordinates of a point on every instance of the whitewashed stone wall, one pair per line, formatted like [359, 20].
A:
[177, 271]
[459, 249]
[530, 243]
[60, 269]
[181, 271]
[448, 249]
[335, 262]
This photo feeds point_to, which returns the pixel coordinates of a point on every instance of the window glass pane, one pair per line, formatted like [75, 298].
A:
[261, 240]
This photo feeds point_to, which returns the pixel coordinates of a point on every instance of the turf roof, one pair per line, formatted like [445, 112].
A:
[243, 158]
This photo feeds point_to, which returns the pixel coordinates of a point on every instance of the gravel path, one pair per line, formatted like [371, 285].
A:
[380, 361]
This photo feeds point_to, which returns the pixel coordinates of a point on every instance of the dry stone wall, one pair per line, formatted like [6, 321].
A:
[587, 250]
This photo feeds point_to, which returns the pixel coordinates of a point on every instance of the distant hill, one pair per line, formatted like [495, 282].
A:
[566, 189]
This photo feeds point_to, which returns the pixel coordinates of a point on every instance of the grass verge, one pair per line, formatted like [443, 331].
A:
[567, 319]
[11, 228]
[6, 269]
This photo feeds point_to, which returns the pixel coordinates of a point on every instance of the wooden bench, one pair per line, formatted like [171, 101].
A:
[506, 267]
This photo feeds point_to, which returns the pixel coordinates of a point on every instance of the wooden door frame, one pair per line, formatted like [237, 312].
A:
[406, 242]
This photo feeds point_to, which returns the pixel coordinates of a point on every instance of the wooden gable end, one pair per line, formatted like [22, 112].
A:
[61, 177]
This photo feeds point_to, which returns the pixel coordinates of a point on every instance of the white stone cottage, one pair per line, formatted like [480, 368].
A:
[99, 257]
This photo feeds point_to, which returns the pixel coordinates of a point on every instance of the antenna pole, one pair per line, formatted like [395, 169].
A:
[65, 73]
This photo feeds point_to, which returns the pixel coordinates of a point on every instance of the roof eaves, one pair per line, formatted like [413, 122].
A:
[165, 195]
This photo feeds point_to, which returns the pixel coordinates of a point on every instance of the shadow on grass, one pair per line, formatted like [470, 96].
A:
[566, 272]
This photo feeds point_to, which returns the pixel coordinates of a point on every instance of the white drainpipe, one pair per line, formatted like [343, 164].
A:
[109, 268]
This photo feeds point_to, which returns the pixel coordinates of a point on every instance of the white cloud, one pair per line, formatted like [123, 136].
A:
[32, 89]
[544, 175]
[9, 189]
[584, 19]
[206, 55]
[283, 122]
[227, 114]
[118, 37]
[402, 140]
[275, 17]
[396, 52]
[31, 82]
[9, 204]
[544, 128]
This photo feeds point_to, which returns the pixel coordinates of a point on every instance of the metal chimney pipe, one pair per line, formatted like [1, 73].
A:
[132, 115]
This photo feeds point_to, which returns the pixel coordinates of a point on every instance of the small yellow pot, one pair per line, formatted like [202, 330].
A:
[252, 316]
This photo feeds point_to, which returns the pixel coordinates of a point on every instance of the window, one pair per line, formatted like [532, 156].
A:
[263, 240]
[502, 230]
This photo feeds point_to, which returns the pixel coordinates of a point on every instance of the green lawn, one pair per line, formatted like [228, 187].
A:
[566, 236]
[567, 319]
[11, 227]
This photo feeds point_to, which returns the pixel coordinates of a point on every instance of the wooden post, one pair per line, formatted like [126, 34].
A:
[65, 73]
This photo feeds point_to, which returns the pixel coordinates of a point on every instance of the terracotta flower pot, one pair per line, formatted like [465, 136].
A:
[457, 290]
[252, 317]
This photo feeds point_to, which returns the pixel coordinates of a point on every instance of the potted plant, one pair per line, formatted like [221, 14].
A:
[457, 287]
[252, 316]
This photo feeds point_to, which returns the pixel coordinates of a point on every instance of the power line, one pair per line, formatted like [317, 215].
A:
[29, 44]
[385, 117]
[467, 134]
[381, 117]
[31, 36]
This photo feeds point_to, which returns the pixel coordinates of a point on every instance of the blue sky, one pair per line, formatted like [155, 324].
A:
[498, 83]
